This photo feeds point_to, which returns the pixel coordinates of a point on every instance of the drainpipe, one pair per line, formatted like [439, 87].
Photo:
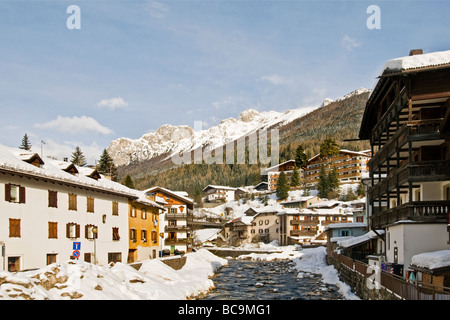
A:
[3, 249]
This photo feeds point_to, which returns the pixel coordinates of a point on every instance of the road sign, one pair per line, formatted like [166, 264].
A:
[77, 246]
[76, 254]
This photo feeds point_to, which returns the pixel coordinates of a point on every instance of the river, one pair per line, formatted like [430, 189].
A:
[268, 280]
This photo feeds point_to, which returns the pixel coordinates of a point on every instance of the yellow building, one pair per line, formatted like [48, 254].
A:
[143, 221]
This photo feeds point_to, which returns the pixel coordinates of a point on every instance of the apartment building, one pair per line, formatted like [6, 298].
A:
[174, 223]
[273, 173]
[351, 166]
[52, 211]
[407, 121]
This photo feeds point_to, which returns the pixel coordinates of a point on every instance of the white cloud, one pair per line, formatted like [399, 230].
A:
[74, 125]
[113, 103]
[349, 43]
[276, 79]
[157, 9]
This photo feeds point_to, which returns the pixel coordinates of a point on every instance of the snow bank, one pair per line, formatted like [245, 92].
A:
[81, 280]
[432, 260]
[313, 261]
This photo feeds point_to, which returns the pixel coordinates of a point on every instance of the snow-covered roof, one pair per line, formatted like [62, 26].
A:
[419, 61]
[170, 192]
[350, 242]
[432, 260]
[211, 186]
[11, 160]
[364, 153]
[276, 167]
[346, 225]
[297, 199]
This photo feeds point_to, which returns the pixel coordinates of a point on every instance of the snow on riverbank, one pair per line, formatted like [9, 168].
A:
[307, 261]
[313, 261]
[81, 280]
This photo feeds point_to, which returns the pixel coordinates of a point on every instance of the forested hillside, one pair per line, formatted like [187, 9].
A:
[340, 120]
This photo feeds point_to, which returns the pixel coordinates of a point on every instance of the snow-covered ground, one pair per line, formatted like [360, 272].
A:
[154, 280]
[81, 280]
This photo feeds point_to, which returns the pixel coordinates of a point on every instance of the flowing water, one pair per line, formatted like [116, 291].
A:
[268, 280]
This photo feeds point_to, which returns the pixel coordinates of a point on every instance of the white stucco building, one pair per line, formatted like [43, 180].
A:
[46, 206]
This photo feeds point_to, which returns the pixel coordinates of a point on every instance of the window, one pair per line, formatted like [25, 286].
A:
[51, 258]
[115, 234]
[52, 199]
[53, 230]
[144, 214]
[154, 236]
[72, 230]
[144, 235]
[89, 231]
[133, 235]
[14, 228]
[345, 233]
[14, 193]
[114, 257]
[90, 205]
[133, 212]
[173, 210]
[72, 202]
[115, 208]
[13, 264]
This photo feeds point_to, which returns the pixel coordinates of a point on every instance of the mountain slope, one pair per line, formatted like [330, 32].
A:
[338, 119]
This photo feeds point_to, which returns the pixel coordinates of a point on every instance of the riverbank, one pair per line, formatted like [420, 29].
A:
[309, 261]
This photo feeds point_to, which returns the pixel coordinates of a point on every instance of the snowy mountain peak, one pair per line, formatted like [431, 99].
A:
[169, 139]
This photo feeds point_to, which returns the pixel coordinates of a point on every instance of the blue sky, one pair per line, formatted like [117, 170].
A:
[136, 65]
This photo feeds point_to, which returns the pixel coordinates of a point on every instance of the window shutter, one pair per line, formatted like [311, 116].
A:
[77, 230]
[21, 194]
[68, 230]
[86, 231]
[8, 192]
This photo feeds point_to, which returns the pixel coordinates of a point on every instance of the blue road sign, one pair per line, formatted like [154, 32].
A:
[77, 246]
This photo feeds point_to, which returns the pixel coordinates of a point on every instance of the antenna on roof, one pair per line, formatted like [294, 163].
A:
[42, 149]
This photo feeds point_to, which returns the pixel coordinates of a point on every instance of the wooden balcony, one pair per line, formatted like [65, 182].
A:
[421, 130]
[175, 216]
[173, 241]
[176, 228]
[307, 233]
[423, 171]
[423, 211]
[304, 222]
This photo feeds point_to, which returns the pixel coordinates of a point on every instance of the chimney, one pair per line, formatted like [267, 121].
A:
[415, 52]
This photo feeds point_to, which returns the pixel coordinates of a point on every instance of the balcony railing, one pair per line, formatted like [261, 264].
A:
[420, 130]
[303, 233]
[174, 216]
[168, 241]
[435, 211]
[423, 171]
[175, 228]
[305, 222]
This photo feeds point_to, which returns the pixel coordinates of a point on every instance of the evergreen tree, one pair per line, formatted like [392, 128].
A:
[78, 157]
[323, 186]
[26, 144]
[301, 159]
[295, 178]
[282, 186]
[106, 165]
[360, 192]
[128, 182]
[333, 177]
[329, 148]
